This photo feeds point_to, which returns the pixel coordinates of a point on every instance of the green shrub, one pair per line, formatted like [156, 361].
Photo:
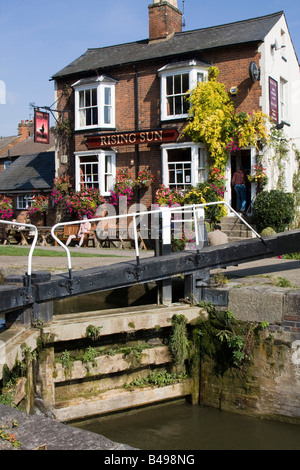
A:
[268, 231]
[274, 209]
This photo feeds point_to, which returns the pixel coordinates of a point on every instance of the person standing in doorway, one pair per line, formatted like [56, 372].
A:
[239, 185]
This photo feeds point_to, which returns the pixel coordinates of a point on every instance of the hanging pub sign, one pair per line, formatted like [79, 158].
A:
[273, 99]
[41, 127]
[155, 136]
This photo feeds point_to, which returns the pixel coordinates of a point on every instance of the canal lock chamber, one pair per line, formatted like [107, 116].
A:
[106, 353]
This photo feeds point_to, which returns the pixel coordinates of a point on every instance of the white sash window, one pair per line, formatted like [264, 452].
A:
[95, 103]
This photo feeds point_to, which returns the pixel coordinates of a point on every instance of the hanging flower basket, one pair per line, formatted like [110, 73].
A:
[144, 179]
[40, 204]
[6, 208]
[123, 187]
[61, 189]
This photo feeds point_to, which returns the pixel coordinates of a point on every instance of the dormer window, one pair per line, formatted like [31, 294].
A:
[95, 103]
[176, 82]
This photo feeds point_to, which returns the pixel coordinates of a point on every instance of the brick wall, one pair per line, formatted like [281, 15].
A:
[233, 63]
[291, 312]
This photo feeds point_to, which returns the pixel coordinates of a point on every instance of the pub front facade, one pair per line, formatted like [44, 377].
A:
[127, 107]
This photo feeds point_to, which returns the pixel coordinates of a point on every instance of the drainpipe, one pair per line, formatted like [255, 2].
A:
[137, 147]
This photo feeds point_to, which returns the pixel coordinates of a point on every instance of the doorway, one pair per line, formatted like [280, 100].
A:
[241, 159]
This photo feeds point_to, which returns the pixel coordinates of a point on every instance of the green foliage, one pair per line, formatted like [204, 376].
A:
[211, 111]
[90, 355]
[220, 279]
[268, 231]
[215, 122]
[67, 362]
[274, 209]
[205, 192]
[179, 340]
[160, 379]
[7, 398]
[292, 256]
[222, 339]
[93, 332]
[283, 282]
[263, 325]
[279, 143]
[135, 350]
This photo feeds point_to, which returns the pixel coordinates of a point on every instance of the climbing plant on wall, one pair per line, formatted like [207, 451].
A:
[279, 145]
[214, 121]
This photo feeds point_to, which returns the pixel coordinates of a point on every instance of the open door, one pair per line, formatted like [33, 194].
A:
[242, 159]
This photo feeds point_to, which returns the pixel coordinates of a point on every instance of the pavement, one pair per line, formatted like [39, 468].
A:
[254, 271]
[264, 270]
[102, 257]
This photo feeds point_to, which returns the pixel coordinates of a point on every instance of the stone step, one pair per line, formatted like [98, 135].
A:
[238, 233]
[227, 218]
[235, 229]
[234, 223]
[232, 226]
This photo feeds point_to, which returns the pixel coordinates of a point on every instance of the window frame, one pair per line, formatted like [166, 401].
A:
[24, 201]
[101, 166]
[195, 163]
[194, 72]
[283, 99]
[100, 84]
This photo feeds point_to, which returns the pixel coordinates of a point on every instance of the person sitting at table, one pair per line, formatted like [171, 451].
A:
[85, 227]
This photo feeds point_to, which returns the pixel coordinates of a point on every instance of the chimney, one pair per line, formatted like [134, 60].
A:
[25, 129]
[164, 20]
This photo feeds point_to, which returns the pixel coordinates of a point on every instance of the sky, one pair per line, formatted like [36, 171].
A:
[37, 39]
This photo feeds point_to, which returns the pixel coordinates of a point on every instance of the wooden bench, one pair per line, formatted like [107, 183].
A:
[113, 232]
[73, 230]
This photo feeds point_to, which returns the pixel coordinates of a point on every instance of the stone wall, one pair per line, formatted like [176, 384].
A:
[267, 386]
[278, 306]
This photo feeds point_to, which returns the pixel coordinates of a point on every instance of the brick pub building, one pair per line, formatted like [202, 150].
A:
[126, 103]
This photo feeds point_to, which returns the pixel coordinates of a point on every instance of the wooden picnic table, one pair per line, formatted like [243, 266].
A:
[25, 235]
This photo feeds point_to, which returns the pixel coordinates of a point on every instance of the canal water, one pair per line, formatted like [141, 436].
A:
[181, 426]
